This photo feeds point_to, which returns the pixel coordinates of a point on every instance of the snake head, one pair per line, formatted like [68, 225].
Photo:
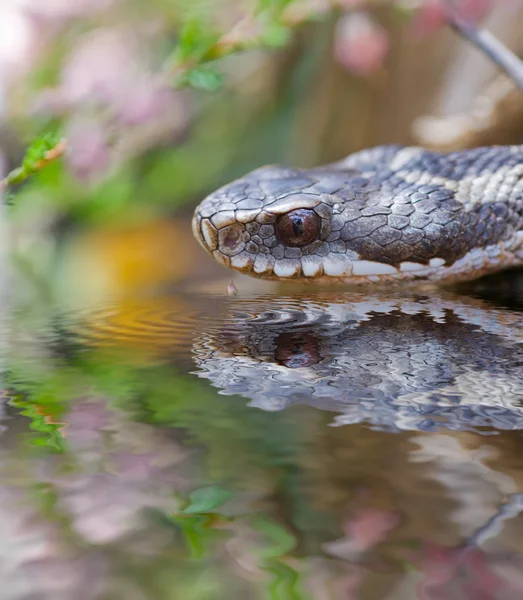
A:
[398, 220]
[380, 215]
[280, 223]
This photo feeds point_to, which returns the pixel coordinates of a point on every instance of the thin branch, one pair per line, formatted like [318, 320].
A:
[489, 45]
[20, 174]
[509, 510]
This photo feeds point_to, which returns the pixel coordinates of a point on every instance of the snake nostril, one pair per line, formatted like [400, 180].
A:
[231, 238]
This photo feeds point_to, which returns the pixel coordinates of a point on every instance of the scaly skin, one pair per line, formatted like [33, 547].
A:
[404, 361]
[387, 214]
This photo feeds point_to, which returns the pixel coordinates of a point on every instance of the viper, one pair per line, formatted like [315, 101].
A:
[395, 361]
[391, 213]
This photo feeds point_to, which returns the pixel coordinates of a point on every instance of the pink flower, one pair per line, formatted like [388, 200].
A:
[87, 154]
[360, 44]
[467, 572]
[63, 9]
[102, 68]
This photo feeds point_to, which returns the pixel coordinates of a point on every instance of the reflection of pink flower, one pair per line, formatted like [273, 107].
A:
[360, 44]
[370, 526]
[86, 419]
[364, 530]
[468, 573]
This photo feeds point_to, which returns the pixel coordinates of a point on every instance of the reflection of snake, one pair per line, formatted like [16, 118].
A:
[405, 362]
[385, 214]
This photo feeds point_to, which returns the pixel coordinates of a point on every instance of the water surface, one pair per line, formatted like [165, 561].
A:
[318, 445]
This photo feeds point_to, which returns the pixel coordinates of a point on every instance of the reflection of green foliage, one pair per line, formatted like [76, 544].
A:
[197, 519]
[198, 523]
[198, 532]
[284, 584]
[241, 445]
[50, 433]
[280, 541]
[206, 499]
[42, 412]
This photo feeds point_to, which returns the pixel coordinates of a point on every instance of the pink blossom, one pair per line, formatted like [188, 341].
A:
[364, 530]
[360, 44]
[150, 100]
[17, 35]
[102, 68]
[466, 571]
[87, 418]
[63, 9]
[87, 153]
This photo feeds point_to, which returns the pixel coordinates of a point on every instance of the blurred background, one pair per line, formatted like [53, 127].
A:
[123, 474]
[157, 103]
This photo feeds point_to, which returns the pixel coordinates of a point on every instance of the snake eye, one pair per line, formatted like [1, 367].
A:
[294, 350]
[298, 227]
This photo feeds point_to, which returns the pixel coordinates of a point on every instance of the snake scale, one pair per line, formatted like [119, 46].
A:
[396, 361]
[385, 214]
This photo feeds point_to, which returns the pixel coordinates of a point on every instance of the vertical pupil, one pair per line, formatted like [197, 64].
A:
[297, 226]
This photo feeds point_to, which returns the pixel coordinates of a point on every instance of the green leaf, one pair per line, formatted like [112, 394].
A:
[196, 40]
[274, 6]
[38, 148]
[284, 585]
[280, 540]
[276, 35]
[206, 499]
[204, 78]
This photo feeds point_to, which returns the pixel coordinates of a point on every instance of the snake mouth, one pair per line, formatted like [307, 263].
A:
[231, 246]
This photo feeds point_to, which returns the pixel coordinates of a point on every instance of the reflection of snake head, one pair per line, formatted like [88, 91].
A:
[386, 214]
[406, 363]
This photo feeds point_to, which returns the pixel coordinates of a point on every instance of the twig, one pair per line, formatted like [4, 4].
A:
[489, 45]
[510, 509]
[22, 173]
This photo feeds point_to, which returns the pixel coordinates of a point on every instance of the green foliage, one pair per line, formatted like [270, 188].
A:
[48, 432]
[206, 499]
[204, 78]
[276, 35]
[35, 154]
[274, 7]
[38, 149]
[162, 176]
[196, 42]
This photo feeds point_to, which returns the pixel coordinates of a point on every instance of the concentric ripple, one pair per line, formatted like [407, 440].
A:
[158, 326]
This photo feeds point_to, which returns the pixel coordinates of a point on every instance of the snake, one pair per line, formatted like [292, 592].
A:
[382, 215]
[395, 361]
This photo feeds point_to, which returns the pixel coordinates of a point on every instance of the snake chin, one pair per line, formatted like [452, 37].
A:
[359, 271]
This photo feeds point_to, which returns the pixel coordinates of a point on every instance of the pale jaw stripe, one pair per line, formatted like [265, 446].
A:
[287, 268]
[342, 268]
[339, 268]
